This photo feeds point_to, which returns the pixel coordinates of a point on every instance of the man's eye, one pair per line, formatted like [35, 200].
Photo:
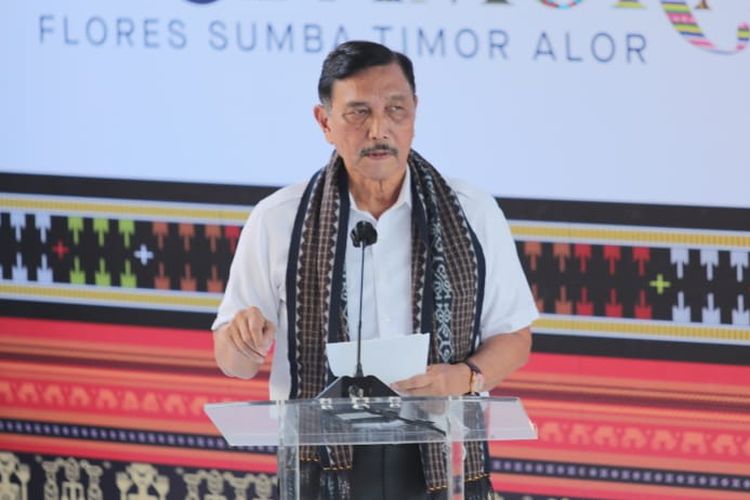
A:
[357, 115]
[397, 112]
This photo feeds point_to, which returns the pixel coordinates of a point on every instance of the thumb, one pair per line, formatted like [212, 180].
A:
[269, 333]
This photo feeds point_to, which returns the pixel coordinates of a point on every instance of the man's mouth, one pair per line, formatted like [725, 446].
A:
[378, 152]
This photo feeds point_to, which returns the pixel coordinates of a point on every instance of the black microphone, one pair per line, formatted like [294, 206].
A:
[363, 234]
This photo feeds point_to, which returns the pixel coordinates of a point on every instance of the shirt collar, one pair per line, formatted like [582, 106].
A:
[404, 196]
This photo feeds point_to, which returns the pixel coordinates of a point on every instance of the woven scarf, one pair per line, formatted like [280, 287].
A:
[447, 274]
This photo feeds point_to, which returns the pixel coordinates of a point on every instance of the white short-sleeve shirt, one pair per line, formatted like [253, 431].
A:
[257, 276]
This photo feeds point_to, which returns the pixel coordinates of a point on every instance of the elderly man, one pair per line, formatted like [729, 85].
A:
[444, 263]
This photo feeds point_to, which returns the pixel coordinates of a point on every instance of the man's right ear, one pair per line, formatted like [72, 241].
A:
[321, 116]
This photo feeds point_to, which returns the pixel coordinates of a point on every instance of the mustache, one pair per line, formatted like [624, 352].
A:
[377, 148]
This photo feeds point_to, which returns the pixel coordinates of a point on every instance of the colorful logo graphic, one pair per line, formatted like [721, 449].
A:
[682, 18]
[561, 5]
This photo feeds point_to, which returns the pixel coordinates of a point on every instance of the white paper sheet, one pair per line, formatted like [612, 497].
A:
[390, 359]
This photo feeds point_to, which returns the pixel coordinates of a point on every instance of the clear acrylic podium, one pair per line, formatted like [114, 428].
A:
[361, 421]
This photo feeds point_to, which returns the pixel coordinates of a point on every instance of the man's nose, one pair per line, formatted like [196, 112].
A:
[378, 126]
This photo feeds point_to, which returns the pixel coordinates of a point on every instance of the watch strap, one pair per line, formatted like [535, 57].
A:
[476, 380]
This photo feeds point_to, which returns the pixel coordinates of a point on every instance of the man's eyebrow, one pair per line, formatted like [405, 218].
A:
[356, 104]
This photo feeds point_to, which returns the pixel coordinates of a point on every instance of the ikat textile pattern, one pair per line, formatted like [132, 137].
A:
[638, 383]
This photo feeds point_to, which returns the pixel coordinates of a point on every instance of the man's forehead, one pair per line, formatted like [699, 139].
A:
[363, 83]
[362, 100]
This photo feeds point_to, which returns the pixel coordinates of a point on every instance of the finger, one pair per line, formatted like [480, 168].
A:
[255, 324]
[237, 342]
[269, 334]
[245, 336]
[238, 333]
[421, 391]
[412, 383]
[415, 386]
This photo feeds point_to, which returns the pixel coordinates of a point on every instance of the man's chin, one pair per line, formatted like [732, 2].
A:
[380, 170]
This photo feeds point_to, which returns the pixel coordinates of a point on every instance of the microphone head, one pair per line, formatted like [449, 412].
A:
[364, 234]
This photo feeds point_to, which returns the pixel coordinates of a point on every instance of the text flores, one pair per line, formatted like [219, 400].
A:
[314, 38]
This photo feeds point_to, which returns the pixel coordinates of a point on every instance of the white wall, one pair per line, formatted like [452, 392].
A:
[173, 96]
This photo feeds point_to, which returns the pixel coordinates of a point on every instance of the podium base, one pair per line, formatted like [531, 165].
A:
[357, 387]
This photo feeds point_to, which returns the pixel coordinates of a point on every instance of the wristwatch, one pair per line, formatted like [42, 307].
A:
[476, 382]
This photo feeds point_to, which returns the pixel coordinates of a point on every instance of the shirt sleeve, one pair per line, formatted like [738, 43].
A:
[249, 281]
[508, 303]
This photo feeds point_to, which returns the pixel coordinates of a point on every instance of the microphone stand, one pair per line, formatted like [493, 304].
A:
[358, 373]
[363, 235]
[361, 386]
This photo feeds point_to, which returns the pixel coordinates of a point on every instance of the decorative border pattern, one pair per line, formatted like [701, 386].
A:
[129, 436]
[106, 362]
[628, 475]
[64, 394]
[49, 477]
[654, 282]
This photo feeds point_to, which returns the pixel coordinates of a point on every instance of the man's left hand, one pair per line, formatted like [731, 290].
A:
[438, 380]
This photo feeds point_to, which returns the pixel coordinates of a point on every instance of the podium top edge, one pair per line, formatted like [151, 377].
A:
[390, 399]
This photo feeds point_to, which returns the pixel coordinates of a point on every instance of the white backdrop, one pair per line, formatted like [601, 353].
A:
[592, 102]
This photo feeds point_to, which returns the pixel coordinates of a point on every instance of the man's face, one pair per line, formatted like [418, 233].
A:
[370, 121]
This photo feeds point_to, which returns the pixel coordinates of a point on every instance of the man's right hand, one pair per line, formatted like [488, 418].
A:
[242, 345]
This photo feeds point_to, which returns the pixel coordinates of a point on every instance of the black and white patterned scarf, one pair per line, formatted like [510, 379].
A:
[447, 293]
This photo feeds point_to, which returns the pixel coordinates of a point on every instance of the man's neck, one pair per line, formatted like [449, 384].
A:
[375, 196]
